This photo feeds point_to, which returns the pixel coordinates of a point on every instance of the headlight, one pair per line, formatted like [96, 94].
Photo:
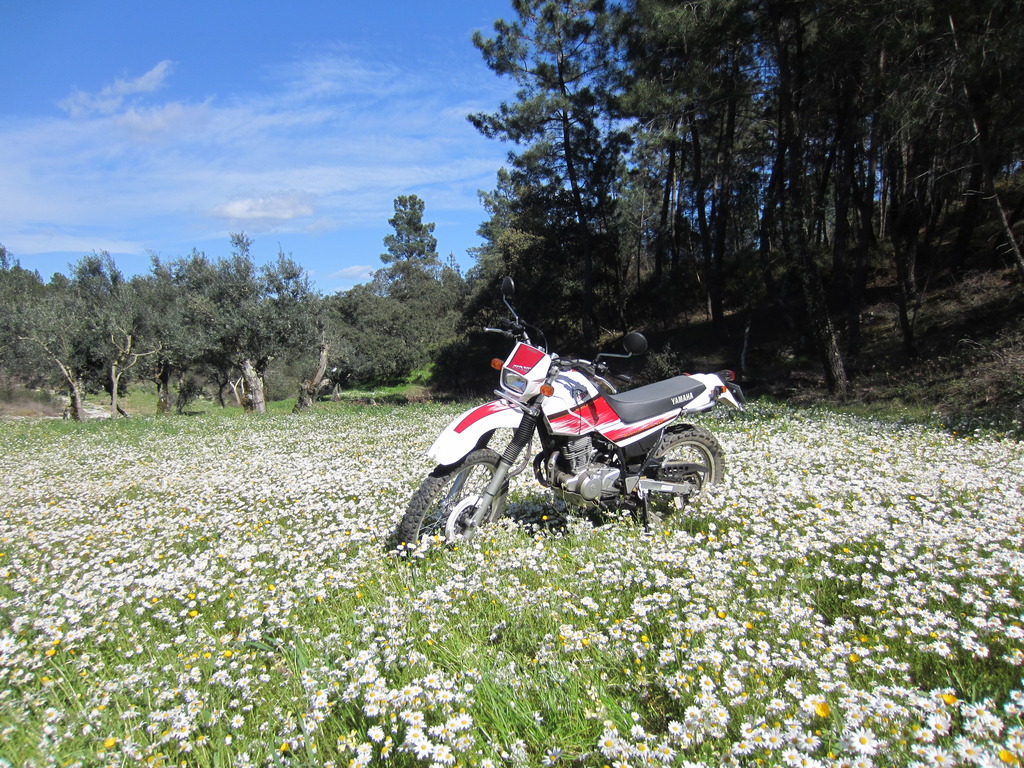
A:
[513, 382]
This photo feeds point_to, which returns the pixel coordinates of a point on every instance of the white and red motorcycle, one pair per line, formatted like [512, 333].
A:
[598, 447]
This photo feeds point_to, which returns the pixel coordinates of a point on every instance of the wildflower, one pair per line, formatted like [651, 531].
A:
[967, 750]
[935, 755]
[443, 755]
[552, 756]
[423, 749]
[809, 742]
[863, 741]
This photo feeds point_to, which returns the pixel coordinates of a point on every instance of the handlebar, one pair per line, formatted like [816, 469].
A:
[517, 332]
[513, 330]
[507, 334]
[599, 370]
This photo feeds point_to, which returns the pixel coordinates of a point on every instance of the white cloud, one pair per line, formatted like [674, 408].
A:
[111, 98]
[333, 74]
[56, 241]
[355, 272]
[279, 207]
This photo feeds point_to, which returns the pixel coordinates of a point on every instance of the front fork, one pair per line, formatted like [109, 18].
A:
[486, 511]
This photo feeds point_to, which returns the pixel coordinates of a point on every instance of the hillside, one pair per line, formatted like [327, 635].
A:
[969, 369]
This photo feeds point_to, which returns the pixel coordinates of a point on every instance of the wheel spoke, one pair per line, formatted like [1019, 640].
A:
[444, 494]
[692, 457]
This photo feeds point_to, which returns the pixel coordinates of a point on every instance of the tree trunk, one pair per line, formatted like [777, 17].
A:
[863, 192]
[237, 391]
[583, 227]
[664, 222]
[796, 218]
[309, 388]
[115, 380]
[969, 216]
[75, 397]
[700, 193]
[254, 399]
[822, 327]
[163, 387]
[905, 253]
[721, 211]
[76, 390]
[988, 175]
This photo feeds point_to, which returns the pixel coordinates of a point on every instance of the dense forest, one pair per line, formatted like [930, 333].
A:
[736, 162]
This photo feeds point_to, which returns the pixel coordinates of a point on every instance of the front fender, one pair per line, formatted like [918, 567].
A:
[464, 433]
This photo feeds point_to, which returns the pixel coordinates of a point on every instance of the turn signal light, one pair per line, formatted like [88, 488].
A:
[496, 364]
[547, 390]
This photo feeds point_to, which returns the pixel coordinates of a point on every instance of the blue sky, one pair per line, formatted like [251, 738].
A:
[159, 126]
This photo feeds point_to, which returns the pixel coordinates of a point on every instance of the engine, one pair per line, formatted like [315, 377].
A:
[578, 470]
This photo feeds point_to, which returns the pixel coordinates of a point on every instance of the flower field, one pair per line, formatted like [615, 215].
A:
[214, 592]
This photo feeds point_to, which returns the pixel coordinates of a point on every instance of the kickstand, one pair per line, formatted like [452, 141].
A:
[645, 516]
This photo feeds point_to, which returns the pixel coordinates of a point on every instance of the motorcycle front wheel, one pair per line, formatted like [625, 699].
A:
[447, 499]
[691, 457]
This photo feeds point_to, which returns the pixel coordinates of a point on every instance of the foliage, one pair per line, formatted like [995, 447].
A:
[393, 325]
[191, 318]
[781, 156]
[558, 197]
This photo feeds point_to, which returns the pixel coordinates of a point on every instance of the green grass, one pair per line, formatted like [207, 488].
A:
[224, 576]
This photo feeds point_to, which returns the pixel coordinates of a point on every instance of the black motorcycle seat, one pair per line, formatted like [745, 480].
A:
[653, 399]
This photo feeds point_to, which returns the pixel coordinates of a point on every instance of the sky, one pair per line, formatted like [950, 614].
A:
[146, 127]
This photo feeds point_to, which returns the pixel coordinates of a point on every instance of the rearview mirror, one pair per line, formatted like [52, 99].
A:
[635, 343]
[508, 287]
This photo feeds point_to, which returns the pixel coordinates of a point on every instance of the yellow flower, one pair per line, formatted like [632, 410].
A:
[109, 742]
[854, 658]
[949, 698]
[822, 709]
[1008, 757]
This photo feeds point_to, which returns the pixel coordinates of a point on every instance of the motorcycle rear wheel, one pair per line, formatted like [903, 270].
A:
[691, 456]
[445, 500]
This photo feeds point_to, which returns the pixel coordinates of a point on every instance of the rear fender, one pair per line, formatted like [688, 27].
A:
[470, 428]
[715, 391]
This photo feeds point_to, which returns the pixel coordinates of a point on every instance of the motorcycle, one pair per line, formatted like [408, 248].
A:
[600, 449]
